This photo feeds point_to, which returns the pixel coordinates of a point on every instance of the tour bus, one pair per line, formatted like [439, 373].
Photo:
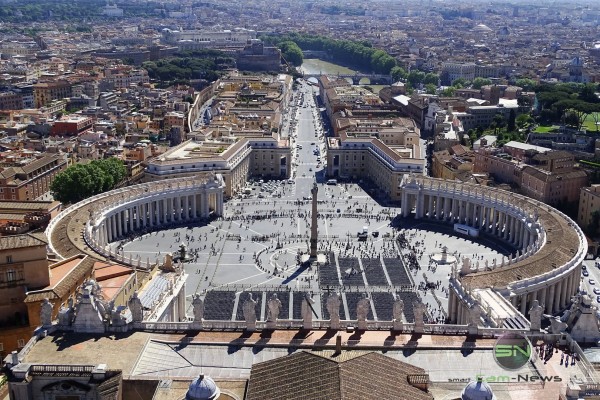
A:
[466, 230]
[332, 182]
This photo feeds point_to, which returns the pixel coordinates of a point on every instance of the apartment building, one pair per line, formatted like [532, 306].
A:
[30, 180]
[237, 159]
[550, 177]
[589, 202]
[23, 265]
[356, 156]
[11, 101]
[45, 93]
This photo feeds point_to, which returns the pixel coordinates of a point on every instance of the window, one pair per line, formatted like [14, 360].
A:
[11, 275]
[9, 259]
[20, 343]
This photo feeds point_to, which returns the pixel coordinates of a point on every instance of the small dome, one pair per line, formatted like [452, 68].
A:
[482, 28]
[477, 391]
[203, 388]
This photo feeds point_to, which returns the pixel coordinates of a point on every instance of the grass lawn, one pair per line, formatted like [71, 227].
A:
[589, 124]
[546, 129]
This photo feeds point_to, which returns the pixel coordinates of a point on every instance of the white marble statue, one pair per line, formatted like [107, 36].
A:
[307, 311]
[535, 315]
[135, 306]
[397, 311]
[419, 311]
[333, 307]
[474, 315]
[198, 307]
[46, 312]
[273, 308]
[249, 310]
[362, 311]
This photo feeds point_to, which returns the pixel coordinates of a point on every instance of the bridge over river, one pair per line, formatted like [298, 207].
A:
[374, 79]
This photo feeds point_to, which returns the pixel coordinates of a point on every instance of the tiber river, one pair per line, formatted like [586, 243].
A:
[316, 66]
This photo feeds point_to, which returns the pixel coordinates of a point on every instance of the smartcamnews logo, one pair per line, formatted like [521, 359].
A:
[512, 351]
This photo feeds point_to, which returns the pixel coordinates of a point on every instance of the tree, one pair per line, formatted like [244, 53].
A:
[449, 91]
[415, 78]
[431, 78]
[498, 122]
[528, 85]
[398, 73]
[524, 101]
[512, 116]
[80, 181]
[291, 53]
[523, 121]
[478, 83]
[430, 88]
[460, 83]
[588, 94]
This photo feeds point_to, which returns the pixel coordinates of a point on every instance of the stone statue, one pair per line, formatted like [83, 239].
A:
[273, 309]
[466, 266]
[362, 311]
[64, 316]
[137, 310]
[333, 307]
[249, 310]
[198, 307]
[46, 312]
[419, 311]
[474, 315]
[307, 311]
[397, 311]
[535, 315]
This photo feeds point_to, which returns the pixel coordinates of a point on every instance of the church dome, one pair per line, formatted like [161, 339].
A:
[203, 388]
[477, 391]
[482, 28]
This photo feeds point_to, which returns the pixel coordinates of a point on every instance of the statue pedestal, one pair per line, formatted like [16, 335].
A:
[334, 324]
[250, 326]
[398, 325]
[198, 325]
[271, 324]
[419, 327]
[473, 330]
[314, 261]
[362, 325]
[308, 325]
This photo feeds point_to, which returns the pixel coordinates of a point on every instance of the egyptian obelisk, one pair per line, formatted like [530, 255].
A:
[313, 225]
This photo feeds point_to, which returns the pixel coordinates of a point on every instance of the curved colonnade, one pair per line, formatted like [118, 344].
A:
[90, 225]
[547, 266]
[551, 247]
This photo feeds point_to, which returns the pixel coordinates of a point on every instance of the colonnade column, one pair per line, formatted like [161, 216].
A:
[566, 292]
[194, 201]
[524, 304]
[550, 300]
[557, 296]
[131, 219]
[404, 205]
[109, 231]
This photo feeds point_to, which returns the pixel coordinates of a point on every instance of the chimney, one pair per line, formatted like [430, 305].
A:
[14, 358]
